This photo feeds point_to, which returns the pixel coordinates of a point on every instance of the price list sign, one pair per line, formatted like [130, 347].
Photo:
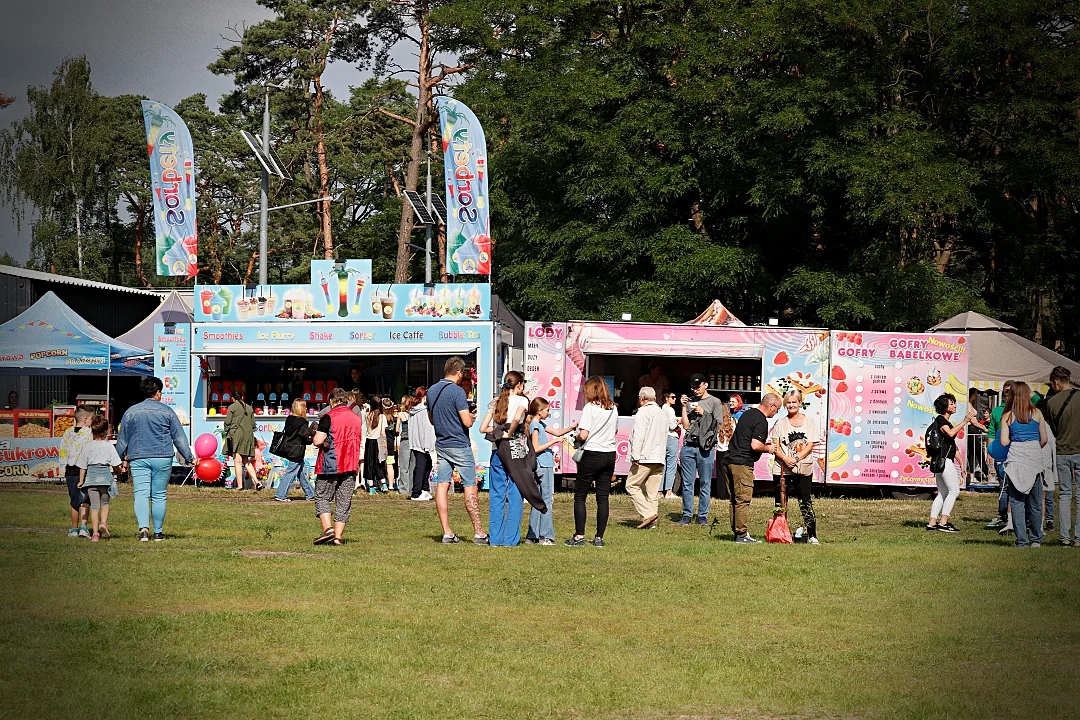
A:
[882, 388]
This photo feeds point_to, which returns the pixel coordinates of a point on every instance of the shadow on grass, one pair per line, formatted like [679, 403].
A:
[914, 523]
[1002, 542]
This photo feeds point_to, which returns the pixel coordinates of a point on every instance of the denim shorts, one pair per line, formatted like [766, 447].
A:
[76, 494]
[460, 459]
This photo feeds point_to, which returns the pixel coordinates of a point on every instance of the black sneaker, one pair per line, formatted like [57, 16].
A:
[158, 537]
[930, 527]
[144, 536]
[1049, 525]
[598, 542]
[576, 542]
[947, 527]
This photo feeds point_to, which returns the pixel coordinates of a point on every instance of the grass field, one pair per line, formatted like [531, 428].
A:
[236, 615]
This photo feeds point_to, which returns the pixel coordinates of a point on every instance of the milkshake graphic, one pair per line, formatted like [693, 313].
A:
[360, 280]
[242, 308]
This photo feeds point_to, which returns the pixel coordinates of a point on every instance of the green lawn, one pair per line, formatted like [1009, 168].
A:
[236, 615]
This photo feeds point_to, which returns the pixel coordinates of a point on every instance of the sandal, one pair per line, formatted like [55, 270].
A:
[337, 541]
[327, 536]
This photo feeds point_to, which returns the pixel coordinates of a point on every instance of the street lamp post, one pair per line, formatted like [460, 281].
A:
[265, 190]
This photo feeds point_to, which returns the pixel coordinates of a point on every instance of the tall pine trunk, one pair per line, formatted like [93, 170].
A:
[416, 153]
[324, 172]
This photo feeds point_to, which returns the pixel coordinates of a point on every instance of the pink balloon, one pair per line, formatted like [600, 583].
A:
[206, 445]
[208, 470]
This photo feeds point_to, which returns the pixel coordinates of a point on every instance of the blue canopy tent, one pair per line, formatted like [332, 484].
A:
[50, 338]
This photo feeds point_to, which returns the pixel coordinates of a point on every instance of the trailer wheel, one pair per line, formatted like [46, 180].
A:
[911, 494]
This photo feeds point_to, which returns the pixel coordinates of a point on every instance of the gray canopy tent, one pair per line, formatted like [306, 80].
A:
[998, 353]
[172, 310]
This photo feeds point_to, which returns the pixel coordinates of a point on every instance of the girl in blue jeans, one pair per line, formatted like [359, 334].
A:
[542, 525]
[506, 415]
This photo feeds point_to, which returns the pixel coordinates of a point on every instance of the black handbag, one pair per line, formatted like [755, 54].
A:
[277, 444]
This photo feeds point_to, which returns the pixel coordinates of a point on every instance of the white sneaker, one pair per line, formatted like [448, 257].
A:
[813, 541]
[422, 497]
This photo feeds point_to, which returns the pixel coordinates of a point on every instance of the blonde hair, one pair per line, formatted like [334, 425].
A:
[595, 391]
[299, 407]
[793, 393]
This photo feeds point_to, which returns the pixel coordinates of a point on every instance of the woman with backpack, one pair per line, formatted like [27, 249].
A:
[942, 433]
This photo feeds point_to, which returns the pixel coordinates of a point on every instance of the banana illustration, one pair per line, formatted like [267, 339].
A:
[954, 387]
[839, 455]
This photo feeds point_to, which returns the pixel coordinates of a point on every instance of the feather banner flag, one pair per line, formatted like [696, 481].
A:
[172, 182]
[468, 226]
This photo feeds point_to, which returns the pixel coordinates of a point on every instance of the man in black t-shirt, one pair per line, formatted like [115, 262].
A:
[750, 440]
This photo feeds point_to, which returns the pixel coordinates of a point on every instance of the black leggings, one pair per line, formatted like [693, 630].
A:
[595, 467]
[421, 470]
[799, 486]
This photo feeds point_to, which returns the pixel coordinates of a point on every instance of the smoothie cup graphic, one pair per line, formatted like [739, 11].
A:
[226, 300]
[206, 297]
[215, 309]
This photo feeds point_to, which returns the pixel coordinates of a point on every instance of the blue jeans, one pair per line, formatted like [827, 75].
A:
[504, 505]
[671, 464]
[1027, 514]
[1068, 472]
[460, 459]
[700, 463]
[149, 481]
[543, 525]
[295, 471]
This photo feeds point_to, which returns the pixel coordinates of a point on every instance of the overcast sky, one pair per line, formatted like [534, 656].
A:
[142, 47]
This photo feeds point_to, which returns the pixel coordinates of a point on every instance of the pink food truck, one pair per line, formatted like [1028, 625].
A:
[870, 395]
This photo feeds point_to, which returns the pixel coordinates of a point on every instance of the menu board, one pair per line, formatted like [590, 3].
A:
[545, 352]
[882, 388]
[172, 365]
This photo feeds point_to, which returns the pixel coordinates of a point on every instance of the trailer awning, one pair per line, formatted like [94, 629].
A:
[307, 349]
[667, 348]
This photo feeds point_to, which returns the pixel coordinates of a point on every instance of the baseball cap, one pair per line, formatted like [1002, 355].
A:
[697, 378]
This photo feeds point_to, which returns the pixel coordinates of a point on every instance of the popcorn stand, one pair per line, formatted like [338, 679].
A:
[281, 342]
[49, 338]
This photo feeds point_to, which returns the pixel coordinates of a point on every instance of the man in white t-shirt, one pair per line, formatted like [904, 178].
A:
[648, 446]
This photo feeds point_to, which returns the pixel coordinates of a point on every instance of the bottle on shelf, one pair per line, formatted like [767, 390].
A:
[727, 382]
[757, 383]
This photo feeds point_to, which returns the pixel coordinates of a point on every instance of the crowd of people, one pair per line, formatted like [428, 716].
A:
[376, 445]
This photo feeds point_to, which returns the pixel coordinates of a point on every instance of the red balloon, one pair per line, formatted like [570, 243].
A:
[208, 470]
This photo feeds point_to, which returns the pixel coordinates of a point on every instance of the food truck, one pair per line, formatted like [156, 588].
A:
[870, 395]
[277, 343]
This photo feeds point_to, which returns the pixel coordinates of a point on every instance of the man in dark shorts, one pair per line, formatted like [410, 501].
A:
[750, 440]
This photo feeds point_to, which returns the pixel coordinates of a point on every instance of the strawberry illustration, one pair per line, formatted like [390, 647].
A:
[781, 358]
[910, 433]
[841, 387]
[908, 469]
[838, 373]
[835, 476]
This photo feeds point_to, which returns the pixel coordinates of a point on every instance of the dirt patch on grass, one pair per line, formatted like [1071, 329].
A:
[276, 553]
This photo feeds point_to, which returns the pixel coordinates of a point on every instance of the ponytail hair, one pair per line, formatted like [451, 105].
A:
[536, 406]
[502, 405]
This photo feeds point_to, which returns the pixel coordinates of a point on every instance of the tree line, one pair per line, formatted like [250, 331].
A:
[862, 164]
